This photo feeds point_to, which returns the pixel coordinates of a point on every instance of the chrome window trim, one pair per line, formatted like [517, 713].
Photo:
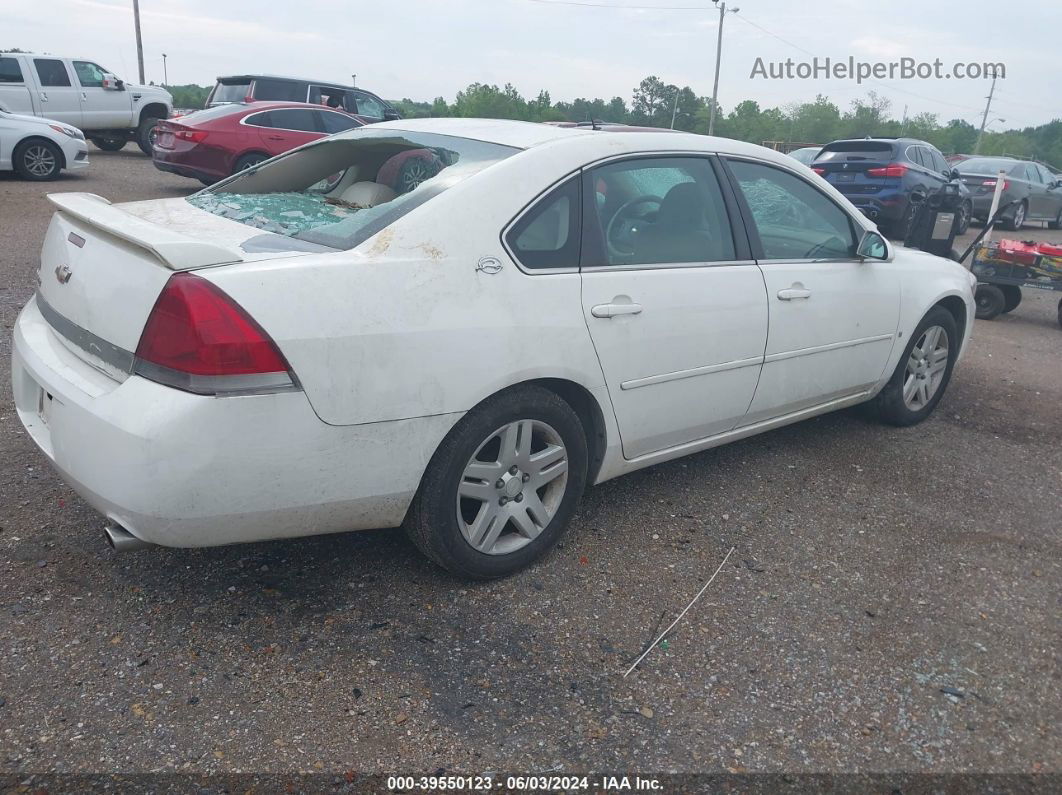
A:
[654, 266]
[245, 123]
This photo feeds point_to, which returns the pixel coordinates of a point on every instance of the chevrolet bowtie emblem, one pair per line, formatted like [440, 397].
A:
[63, 274]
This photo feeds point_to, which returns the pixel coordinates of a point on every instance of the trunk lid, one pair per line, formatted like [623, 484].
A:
[103, 266]
[844, 164]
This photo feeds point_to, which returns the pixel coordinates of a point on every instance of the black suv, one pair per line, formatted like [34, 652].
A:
[887, 177]
[270, 88]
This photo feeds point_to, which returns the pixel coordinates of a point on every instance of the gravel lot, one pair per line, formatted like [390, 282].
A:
[892, 604]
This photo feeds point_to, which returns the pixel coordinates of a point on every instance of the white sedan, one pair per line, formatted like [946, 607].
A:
[457, 326]
[39, 149]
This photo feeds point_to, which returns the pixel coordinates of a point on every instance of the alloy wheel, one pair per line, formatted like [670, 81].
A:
[1019, 216]
[512, 486]
[39, 161]
[925, 368]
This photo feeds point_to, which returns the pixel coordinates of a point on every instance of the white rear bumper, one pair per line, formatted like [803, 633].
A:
[183, 470]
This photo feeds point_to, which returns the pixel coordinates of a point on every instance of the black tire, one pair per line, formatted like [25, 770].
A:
[902, 228]
[1011, 296]
[1057, 223]
[1060, 312]
[990, 301]
[37, 160]
[965, 214]
[248, 160]
[889, 403]
[432, 521]
[145, 133]
[1016, 220]
[109, 144]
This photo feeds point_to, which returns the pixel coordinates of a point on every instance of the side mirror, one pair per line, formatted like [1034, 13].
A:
[952, 173]
[874, 246]
[391, 115]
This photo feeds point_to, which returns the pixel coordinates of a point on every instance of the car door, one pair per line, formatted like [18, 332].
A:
[833, 317]
[288, 128]
[15, 94]
[1038, 199]
[101, 108]
[676, 309]
[1053, 198]
[369, 106]
[60, 99]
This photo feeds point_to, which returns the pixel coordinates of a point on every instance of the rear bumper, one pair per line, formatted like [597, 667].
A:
[882, 208]
[183, 470]
[982, 204]
[182, 170]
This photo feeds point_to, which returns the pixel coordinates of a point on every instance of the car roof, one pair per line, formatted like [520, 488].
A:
[291, 79]
[525, 135]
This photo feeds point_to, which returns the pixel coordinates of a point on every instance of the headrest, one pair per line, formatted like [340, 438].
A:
[367, 194]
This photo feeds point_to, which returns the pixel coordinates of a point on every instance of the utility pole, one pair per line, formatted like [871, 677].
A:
[674, 110]
[718, 57]
[903, 124]
[139, 41]
[984, 118]
[165, 71]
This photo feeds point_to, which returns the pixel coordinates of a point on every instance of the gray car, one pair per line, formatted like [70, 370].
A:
[1035, 191]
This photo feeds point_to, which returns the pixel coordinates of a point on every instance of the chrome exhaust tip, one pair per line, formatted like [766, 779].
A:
[121, 540]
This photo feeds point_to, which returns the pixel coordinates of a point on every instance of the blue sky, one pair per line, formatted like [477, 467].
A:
[427, 48]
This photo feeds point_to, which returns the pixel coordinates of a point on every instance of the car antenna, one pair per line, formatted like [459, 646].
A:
[593, 122]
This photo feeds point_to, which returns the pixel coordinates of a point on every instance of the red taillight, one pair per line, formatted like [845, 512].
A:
[200, 340]
[891, 170]
[820, 171]
[195, 136]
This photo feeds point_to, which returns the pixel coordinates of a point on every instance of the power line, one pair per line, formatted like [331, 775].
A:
[618, 8]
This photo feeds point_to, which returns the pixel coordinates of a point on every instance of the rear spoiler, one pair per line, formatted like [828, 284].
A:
[175, 251]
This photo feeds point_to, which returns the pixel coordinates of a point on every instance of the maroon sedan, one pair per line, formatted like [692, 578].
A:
[211, 144]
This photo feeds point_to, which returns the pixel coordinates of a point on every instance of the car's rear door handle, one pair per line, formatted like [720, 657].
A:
[611, 310]
[792, 293]
[275, 137]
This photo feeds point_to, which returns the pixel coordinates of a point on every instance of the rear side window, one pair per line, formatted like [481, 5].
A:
[841, 151]
[279, 90]
[337, 122]
[940, 165]
[10, 71]
[264, 119]
[294, 119]
[548, 235]
[51, 72]
[794, 220]
[916, 155]
[211, 113]
[231, 92]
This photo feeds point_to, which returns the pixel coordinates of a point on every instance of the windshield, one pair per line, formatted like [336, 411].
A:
[231, 92]
[345, 189]
[985, 165]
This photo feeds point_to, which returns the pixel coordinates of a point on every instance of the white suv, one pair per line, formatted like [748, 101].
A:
[83, 94]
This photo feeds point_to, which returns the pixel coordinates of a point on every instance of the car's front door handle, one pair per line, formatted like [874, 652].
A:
[794, 292]
[611, 310]
[275, 137]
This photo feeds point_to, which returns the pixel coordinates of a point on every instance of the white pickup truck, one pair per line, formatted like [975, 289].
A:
[83, 94]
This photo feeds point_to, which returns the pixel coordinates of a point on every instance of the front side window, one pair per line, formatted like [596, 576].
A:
[794, 220]
[51, 72]
[90, 75]
[10, 71]
[370, 106]
[548, 234]
[341, 191]
[656, 211]
[294, 119]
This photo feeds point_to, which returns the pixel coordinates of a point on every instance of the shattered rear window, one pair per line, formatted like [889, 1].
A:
[343, 190]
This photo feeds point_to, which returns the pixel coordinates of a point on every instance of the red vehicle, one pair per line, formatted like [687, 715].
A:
[211, 144]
